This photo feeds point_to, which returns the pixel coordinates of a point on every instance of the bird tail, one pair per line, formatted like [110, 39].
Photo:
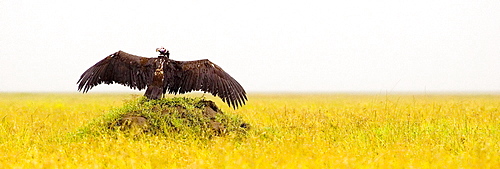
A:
[153, 92]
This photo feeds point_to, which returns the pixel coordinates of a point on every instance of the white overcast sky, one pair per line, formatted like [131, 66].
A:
[268, 46]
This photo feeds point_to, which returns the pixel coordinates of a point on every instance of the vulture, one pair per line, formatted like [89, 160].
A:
[161, 74]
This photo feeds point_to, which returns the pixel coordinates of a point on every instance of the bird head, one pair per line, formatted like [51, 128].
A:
[162, 51]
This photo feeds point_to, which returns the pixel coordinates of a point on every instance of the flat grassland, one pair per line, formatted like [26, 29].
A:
[287, 131]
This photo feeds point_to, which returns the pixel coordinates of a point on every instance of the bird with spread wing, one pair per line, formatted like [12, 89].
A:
[162, 74]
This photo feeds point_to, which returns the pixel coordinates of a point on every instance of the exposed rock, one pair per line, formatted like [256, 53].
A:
[132, 121]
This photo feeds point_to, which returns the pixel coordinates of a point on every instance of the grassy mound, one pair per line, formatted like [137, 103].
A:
[177, 117]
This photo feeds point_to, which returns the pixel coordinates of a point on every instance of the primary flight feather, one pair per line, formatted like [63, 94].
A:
[162, 74]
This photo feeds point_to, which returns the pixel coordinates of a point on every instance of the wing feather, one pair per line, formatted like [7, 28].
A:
[120, 67]
[186, 76]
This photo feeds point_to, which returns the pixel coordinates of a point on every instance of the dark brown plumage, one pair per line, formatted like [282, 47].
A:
[161, 74]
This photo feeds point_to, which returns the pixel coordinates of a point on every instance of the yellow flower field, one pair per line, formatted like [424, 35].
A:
[287, 131]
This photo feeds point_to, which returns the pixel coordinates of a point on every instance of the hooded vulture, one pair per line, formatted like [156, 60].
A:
[162, 74]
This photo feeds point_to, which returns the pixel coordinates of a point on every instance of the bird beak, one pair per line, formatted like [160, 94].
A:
[157, 50]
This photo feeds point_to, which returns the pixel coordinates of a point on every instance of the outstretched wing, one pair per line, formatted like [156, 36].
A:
[185, 76]
[120, 67]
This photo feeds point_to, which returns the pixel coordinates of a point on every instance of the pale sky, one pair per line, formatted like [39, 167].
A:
[267, 46]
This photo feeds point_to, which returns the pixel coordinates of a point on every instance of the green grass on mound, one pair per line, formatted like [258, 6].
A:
[178, 117]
